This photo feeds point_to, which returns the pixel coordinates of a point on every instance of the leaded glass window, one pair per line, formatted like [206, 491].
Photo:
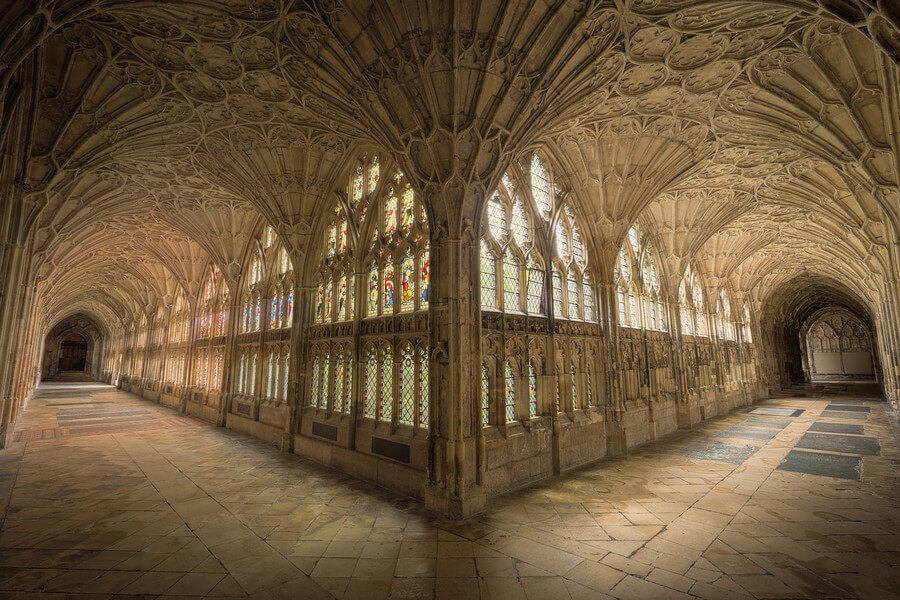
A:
[485, 397]
[532, 392]
[510, 393]
[371, 406]
[406, 412]
[387, 384]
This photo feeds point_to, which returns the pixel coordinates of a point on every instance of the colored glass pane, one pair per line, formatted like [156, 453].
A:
[341, 311]
[407, 206]
[257, 315]
[374, 174]
[290, 310]
[342, 237]
[351, 295]
[424, 278]
[330, 241]
[388, 295]
[273, 315]
[372, 301]
[407, 283]
[390, 215]
[329, 297]
[356, 186]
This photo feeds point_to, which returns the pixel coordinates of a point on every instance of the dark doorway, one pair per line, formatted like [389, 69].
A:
[73, 353]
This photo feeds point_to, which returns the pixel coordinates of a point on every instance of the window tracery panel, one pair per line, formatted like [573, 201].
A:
[638, 290]
[690, 297]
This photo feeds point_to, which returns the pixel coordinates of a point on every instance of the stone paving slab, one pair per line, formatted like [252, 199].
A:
[848, 444]
[834, 414]
[819, 463]
[828, 427]
[778, 412]
[847, 407]
[749, 433]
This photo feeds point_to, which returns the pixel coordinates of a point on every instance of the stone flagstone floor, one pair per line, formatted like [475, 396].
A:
[110, 496]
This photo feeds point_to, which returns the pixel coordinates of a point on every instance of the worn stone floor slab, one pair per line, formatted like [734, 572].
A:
[835, 414]
[848, 407]
[848, 444]
[169, 507]
[827, 427]
[820, 463]
[778, 412]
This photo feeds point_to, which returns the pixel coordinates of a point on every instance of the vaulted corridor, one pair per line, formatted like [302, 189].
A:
[114, 495]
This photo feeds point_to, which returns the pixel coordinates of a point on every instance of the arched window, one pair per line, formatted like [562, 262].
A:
[640, 300]
[746, 329]
[690, 298]
[398, 266]
[510, 387]
[485, 397]
[512, 272]
[211, 319]
[379, 229]
[725, 328]
[533, 261]
[176, 352]
[267, 304]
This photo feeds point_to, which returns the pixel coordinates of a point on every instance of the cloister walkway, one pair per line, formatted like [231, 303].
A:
[107, 495]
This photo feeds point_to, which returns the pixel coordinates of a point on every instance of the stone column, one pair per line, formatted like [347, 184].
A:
[452, 487]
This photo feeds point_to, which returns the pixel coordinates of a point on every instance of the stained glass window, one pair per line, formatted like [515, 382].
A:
[390, 215]
[387, 384]
[273, 316]
[485, 397]
[510, 282]
[285, 373]
[406, 412]
[341, 312]
[330, 241]
[374, 174]
[371, 407]
[510, 393]
[388, 296]
[425, 277]
[372, 302]
[406, 209]
[407, 283]
[329, 293]
[356, 186]
[257, 315]
[532, 392]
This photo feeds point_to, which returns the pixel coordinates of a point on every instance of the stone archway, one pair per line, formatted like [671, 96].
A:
[73, 344]
[73, 352]
[838, 346]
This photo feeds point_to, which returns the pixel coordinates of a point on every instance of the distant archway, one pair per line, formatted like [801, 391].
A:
[838, 347]
[73, 352]
[73, 344]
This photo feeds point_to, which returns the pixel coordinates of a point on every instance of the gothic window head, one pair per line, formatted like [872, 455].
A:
[638, 289]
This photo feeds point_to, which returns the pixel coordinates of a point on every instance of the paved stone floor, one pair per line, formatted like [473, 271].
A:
[111, 496]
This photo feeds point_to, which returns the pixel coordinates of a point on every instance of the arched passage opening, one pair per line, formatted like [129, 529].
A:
[73, 352]
[74, 344]
[837, 347]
